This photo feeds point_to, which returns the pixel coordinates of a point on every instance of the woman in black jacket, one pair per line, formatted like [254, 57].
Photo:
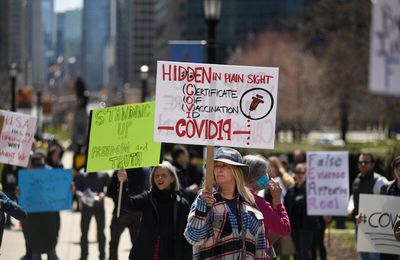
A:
[164, 216]
[303, 226]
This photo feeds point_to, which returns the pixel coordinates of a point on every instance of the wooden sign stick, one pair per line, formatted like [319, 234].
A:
[121, 186]
[1, 123]
[210, 168]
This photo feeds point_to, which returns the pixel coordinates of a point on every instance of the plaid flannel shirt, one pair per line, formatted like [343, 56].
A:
[214, 232]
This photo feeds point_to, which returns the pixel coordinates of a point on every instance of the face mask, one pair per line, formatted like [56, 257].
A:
[262, 182]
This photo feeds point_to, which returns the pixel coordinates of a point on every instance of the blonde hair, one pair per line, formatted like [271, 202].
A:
[243, 191]
[287, 180]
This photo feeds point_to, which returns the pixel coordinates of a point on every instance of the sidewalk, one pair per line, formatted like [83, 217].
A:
[68, 248]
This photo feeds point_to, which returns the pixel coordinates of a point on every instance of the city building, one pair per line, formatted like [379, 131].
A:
[95, 38]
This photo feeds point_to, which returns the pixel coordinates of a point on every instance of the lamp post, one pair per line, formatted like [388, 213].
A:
[39, 90]
[212, 13]
[13, 77]
[144, 74]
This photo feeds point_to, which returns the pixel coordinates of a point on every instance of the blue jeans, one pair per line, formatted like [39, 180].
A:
[369, 256]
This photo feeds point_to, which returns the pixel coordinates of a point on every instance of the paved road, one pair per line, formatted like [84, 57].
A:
[68, 248]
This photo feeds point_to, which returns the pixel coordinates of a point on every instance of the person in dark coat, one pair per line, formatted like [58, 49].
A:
[90, 189]
[392, 189]
[11, 208]
[138, 181]
[9, 182]
[303, 226]
[164, 216]
[40, 239]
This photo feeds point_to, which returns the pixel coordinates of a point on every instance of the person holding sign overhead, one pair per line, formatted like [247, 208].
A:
[225, 223]
[164, 216]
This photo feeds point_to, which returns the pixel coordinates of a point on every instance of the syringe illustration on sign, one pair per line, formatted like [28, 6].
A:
[261, 103]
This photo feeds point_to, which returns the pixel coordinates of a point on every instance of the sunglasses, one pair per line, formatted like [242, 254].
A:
[300, 172]
[364, 162]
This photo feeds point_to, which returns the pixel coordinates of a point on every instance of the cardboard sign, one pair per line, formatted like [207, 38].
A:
[216, 105]
[122, 137]
[16, 138]
[327, 183]
[375, 232]
[45, 190]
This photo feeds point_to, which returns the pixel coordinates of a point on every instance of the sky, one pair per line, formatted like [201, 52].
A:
[65, 5]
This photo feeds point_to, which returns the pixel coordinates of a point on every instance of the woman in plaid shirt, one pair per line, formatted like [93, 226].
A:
[225, 224]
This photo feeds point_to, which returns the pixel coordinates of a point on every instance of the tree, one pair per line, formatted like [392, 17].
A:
[337, 33]
[299, 77]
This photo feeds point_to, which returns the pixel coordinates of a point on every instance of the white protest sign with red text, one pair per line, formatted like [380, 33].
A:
[16, 138]
[327, 183]
[219, 105]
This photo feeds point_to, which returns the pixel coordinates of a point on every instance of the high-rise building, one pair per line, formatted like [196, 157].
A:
[95, 37]
[60, 34]
[49, 29]
[73, 41]
[144, 28]
[22, 43]
[35, 63]
[135, 39]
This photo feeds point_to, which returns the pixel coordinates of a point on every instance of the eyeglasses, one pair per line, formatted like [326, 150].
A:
[364, 162]
[300, 172]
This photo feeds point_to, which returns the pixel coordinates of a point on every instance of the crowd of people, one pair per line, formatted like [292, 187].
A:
[256, 208]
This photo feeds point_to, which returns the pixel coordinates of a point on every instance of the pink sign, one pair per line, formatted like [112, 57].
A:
[16, 138]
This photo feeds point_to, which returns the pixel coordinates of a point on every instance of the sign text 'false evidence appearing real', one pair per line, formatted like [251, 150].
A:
[220, 105]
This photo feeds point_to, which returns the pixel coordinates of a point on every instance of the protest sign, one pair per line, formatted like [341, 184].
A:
[122, 137]
[384, 53]
[375, 232]
[216, 105]
[327, 183]
[45, 190]
[16, 138]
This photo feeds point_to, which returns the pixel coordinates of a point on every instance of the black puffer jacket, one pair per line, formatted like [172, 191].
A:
[296, 207]
[149, 227]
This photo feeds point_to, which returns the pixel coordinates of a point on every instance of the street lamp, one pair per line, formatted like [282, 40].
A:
[212, 13]
[144, 74]
[13, 77]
